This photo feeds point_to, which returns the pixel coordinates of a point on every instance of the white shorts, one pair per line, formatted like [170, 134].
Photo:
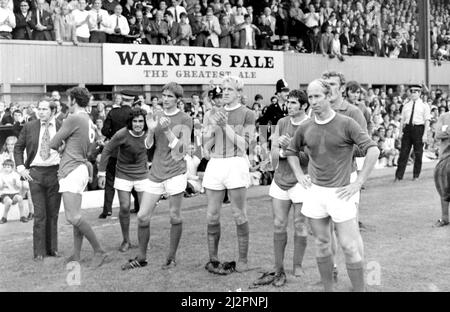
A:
[127, 186]
[295, 194]
[227, 173]
[322, 202]
[76, 181]
[172, 186]
[360, 162]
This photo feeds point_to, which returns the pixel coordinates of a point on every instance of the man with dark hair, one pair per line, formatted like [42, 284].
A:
[40, 170]
[286, 192]
[415, 124]
[116, 120]
[170, 134]
[74, 141]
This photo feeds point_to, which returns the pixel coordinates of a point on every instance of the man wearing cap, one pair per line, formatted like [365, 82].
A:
[415, 123]
[116, 120]
[274, 112]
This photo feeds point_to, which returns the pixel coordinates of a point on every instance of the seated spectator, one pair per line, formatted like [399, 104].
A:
[98, 23]
[81, 18]
[23, 22]
[10, 186]
[194, 184]
[336, 47]
[389, 149]
[65, 29]
[7, 20]
[118, 26]
[41, 23]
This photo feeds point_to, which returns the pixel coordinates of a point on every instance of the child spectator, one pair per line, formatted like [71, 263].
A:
[194, 184]
[186, 31]
[389, 149]
[10, 185]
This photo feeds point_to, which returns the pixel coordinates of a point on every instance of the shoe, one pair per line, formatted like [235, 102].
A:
[54, 254]
[298, 271]
[213, 266]
[39, 258]
[124, 246]
[226, 201]
[170, 264]
[396, 180]
[72, 258]
[441, 223]
[3, 220]
[265, 279]
[280, 279]
[103, 216]
[134, 264]
[23, 219]
[241, 266]
[30, 216]
[99, 259]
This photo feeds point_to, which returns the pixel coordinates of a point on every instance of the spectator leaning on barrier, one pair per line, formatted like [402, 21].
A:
[65, 29]
[42, 23]
[98, 23]
[7, 20]
[23, 19]
[118, 26]
[81, 18]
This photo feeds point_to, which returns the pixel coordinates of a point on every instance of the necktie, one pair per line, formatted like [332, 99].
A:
[176, 15]
[412, 114]
[45, 143]
[117, 22]
[98, 20]
[284, 108]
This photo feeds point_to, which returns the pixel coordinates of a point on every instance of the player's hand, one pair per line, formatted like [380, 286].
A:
[221, 119]
[101, 182]
[346, 192]
[164, 122]
[62, 147]
[284, 141]
[305, 181]
[152, 121]
[425, 138]
[26, 175]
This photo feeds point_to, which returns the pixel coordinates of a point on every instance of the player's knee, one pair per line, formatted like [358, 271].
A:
[75, 220]
[279, 225]
[7, 201]
[240, 216]
[143, 220]
[323, 245]
[124, 212]
[213, 217]
[300, 228]
[350, 247]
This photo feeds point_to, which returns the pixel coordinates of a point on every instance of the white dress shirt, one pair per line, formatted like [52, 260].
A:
[180, 10]
[122, 22]
[421, 112]
[80, 16]
[4, 14]
[93, 20]
[54, 158]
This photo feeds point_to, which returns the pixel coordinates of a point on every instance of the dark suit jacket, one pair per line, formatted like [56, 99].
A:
[29, 140]
[158, 34]
[377, 48]
[46, 21]
[116, 119]
[174, 32]
[23, 28]
[273, 113]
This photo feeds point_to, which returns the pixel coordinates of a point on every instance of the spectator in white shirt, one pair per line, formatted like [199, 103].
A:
[98, 23]
[118, 26]
[312, 18]
[81, 17]
[176, 9]
[7, 20]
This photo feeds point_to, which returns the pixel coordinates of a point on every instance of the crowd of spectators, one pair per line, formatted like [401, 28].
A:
[440, 31]
[384, 28]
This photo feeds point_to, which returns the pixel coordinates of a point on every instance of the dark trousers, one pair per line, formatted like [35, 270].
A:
[412, 137]
[97, 37]
[47, 201]
[110, 190]
[116, 39]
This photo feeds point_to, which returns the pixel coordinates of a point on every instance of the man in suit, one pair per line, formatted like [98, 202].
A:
[23, 19]
[157, 31]
[42, 23]
[116, 120]
[377, 43]
[40, 170]
[174, 31]
[5, 117]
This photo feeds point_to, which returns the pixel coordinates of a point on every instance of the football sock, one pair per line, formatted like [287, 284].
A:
[243, 239]
[356, 274]
[213, 231]
[175, 236]
[300, 243]
[325, 265]
[279, 246]
[143, 239]
[87, 231]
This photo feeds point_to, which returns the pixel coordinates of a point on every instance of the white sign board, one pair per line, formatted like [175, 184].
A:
[158, 64]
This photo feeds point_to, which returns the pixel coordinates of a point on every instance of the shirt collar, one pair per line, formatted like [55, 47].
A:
[172, 114]
[324, 122]
[236, 106]
[51, 122]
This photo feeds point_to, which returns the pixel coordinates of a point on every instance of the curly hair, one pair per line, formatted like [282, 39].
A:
[301, 97]
[81, 96]
[136, 112]
[330, 74]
